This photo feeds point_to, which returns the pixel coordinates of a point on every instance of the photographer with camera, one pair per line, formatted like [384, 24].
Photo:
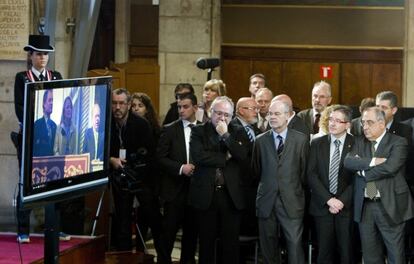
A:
[132, 160]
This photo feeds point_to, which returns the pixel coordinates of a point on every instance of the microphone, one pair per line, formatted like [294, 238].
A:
[207, 63]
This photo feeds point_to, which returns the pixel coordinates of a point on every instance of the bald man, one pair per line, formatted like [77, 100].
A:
[294, 122]
[263, 98]
[246, 118]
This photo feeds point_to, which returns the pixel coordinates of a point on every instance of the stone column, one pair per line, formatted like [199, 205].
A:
[122, 25]
[408, 77]
[188, 30]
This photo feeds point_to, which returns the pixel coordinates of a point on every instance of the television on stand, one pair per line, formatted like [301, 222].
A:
[65, 146]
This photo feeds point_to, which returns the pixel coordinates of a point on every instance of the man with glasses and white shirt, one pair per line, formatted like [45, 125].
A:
[331, 189]
[215, 189]
[382, 199]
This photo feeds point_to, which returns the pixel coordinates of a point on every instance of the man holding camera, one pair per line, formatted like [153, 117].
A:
[132, 156]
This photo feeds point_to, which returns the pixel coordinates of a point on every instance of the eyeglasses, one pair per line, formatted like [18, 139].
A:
[367, 122]
[250, 108]
[338, 121]
[269, 114]
[220, 113]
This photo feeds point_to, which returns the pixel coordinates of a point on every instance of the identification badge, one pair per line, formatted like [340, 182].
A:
[122, 153]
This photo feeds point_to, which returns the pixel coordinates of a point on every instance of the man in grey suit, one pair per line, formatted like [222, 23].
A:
[382, 199]
[321, 98]
[263, 99]
[279, 160]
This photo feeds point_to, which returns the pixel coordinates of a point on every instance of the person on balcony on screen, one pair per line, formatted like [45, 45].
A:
[38, 51]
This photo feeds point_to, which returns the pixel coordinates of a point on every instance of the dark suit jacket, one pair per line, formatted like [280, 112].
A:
[307, 116]
[20, 80]
[356, 128]
[284, 176]
[209, 153]
[42, 144]
[171, 155]
[298, 124]
[388, 176]
[318, 177]
[172, 114]
[401, 130]
[89, 144]
[136, 135]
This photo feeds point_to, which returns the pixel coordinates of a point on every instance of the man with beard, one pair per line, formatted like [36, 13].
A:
[321, 98]
[132, 143]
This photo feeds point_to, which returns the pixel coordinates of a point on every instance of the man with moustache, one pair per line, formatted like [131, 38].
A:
[263, 98]
[382, 198]
[331, 189]
[256, 81]
[279, 161]
[173, 155]
[216, 185]
[131, 139]
[321, 98]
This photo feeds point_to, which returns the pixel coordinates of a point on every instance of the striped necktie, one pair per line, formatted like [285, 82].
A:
[281, 146]
[334, 168]
[249, 133]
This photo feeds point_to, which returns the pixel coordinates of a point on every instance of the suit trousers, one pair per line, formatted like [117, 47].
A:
[178, 213]
[334, 236]
[269, 238]
[377, 227]
[221, 220]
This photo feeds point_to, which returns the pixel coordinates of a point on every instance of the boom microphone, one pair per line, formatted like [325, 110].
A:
[207, 63]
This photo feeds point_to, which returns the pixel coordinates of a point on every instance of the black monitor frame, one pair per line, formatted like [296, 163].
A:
[65, 188]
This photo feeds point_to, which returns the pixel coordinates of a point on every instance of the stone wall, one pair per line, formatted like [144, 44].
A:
[187, 30]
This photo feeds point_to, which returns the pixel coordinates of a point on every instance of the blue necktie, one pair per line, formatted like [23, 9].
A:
[280, 146]
[249, 133]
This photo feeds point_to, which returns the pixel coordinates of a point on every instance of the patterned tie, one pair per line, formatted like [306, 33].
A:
[280, 146]
[371, 186]
[334, 168]
[316, 123]
[249, 133]
[262, 126]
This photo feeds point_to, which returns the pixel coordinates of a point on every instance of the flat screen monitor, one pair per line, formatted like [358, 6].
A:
[65, 150]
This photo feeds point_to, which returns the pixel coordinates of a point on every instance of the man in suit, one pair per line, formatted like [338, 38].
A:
[256, 81]
[388, 102]
[94, 136]
[294, 122]
[321, 98]
[331, 189]
[216, 185]
[132, 144]
[180, 89]
[44, 129]
[382, 199]
[356, 128]
[173, 155]
[263, 98]
[279, 160]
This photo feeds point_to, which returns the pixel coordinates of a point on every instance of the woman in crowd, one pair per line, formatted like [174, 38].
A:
[65, 140]
[141, 105]
[212, 89]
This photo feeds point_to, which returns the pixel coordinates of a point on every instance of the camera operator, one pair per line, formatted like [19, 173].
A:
[132, 158]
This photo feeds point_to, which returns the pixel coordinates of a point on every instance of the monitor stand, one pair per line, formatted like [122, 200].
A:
[51, 243]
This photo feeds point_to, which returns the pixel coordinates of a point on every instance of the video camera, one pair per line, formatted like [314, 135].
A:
[131, 177]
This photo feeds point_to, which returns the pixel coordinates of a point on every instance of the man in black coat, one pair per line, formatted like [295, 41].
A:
[216, 185]
[331, 189]
[178, 168]
[132, 157]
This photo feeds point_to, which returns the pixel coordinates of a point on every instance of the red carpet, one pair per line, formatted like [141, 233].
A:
[9, 249]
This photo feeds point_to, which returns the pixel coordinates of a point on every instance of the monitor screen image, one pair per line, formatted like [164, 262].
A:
[65, 138]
